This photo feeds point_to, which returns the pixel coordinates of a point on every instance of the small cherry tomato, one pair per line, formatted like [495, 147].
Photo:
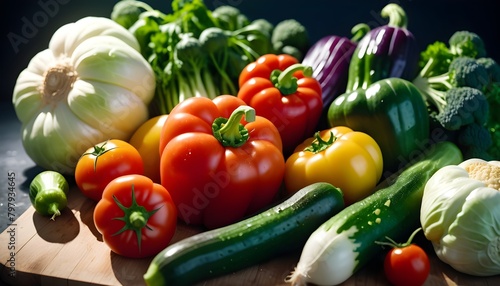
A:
[146, 139]
[104, 162]
[136, 217]
[406, 264]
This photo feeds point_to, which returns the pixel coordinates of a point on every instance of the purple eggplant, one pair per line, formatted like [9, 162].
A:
[329, 58]
[385, 51]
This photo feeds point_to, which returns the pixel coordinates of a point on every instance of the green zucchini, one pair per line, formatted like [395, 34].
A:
[347, 241]
[278, 230]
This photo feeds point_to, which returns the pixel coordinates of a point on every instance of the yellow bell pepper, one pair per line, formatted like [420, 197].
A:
[350, 160]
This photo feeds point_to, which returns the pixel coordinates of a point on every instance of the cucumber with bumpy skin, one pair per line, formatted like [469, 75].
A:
[347, 241]
[278, 230]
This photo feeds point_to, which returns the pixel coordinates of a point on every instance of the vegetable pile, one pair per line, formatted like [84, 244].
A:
[252, 134]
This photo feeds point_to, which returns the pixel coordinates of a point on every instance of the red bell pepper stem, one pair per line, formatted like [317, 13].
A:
[285, 81]
[230, 132]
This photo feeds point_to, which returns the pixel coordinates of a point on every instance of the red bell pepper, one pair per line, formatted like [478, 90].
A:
[283, 91]
[217, 166]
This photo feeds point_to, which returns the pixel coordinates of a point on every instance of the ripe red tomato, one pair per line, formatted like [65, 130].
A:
[136, 217]
[406, 264]
[104, 162]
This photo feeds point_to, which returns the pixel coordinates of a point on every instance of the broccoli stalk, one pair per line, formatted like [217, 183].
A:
[193, 63]
[462, 71]
[215, 42]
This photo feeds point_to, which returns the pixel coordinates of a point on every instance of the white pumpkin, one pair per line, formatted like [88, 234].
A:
[90, 85]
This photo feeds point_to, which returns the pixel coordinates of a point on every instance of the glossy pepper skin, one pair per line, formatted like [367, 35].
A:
[386, 51]
[219, 161]
[350, 160]
[283, 91]
[392, 112]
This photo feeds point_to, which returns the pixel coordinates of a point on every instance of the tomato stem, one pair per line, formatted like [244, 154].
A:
[319, 144]
[394, 244]
[135, 217]
[230, 132]
[97, 152]
[285, 81]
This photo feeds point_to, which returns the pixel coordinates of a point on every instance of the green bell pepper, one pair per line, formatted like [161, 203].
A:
[390, 110]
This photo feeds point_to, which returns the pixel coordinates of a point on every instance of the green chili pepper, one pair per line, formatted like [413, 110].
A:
[48, 192]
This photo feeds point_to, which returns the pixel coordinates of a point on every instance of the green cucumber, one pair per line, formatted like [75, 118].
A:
[347, 241]
[278, 230]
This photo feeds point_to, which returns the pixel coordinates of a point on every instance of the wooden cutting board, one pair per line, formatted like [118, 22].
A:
[70, 251]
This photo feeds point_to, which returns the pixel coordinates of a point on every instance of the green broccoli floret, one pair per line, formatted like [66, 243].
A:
[492, 67]
[492, 88]
[462, 71]
[492, 93]
[127, 12]
[467, 44]
[454, 93]
[290, 37]
[435, 59]
[230, 18]
[462, 106]
[265, 27]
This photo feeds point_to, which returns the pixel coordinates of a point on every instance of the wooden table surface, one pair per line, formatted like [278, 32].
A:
[70, 251]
